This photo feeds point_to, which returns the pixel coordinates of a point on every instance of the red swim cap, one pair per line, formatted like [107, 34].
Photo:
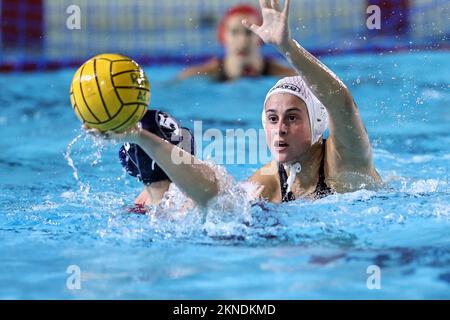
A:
[238, 9]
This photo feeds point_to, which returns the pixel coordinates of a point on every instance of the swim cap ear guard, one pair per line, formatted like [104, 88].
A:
[135, 160]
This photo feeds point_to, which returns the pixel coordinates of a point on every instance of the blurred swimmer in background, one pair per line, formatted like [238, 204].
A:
[243, 56]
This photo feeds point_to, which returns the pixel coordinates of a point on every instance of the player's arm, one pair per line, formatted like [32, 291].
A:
[192, 176]
[209, 68]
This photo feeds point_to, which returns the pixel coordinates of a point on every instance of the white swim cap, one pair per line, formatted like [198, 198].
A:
[318, 115]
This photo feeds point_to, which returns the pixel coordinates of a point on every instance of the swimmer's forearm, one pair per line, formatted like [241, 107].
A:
[194, 178]
[324, 83]
[346, 126]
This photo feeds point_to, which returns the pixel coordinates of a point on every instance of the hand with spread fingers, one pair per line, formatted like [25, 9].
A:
[275, 27]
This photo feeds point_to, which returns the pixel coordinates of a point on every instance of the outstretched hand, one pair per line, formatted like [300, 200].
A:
[130, 135]
[275, 27]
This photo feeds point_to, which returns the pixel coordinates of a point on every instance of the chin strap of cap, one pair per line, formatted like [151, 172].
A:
[294, 169]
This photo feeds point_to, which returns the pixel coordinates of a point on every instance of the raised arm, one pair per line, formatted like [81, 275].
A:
[347, 132]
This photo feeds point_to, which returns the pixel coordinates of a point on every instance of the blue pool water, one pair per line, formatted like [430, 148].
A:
[49, 220]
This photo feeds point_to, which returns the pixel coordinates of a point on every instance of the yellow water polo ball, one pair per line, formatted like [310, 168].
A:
[110, 92]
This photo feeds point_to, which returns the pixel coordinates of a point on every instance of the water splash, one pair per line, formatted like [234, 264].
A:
[93, 156]
[346, 220]
[68, 157]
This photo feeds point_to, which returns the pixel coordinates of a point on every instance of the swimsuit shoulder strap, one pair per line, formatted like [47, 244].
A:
[322, 165]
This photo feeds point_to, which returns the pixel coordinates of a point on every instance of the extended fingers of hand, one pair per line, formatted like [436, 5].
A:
[265, 4]
[287, 4]
[276, 5]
